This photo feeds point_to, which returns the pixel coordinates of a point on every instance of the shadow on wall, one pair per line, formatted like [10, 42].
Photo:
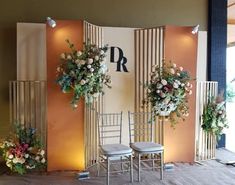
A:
[7, 72]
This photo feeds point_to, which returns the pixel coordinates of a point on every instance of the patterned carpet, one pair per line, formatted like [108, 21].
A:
[209, 173]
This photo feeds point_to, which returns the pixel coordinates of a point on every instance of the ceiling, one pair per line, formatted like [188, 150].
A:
[231, 22]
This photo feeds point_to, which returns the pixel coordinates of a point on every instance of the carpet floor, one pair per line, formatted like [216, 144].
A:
[210, 172]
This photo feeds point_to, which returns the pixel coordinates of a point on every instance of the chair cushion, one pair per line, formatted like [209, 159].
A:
[146, 146]
[115, 149]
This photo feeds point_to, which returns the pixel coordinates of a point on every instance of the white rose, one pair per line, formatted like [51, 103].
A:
[62, 56]
[178, 82]
[43, 160]
[30, 148]
[172, 71]
[162, 95]
[92, 69]
[30, 167]
[15, 160]
[58, 69]
[158, 91]
[182, 84]
[186, 114]
[37, 158]
[82, 62]
[9, 164]
[175, 85]
[21, 160]
[97, 57]
[82, 82]
[89, 66]
[190, 92]
[159, 86]
[79, 53]
[77, 61]
[42, 152]
[90, 60]
[101, 52]
[174, 65]
[181, 68]
[26, 156]
[75, 105]
[178, 74]
[69, 57]
[191, 85]
[164, 82]
[10, 156]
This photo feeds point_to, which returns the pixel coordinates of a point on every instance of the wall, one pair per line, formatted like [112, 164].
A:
[121, 96]
[132, 13]
[63, 123]
[182, 49]
[31, 51]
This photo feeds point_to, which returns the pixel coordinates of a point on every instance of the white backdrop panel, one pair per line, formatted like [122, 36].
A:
[121, 96]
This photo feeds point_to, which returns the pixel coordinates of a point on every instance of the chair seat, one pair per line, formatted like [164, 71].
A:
[115, 149]
[146, 147]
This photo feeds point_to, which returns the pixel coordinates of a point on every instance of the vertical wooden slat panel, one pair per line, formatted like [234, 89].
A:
[95, 35]
[25, 106]
[205, 142]
[149, 51]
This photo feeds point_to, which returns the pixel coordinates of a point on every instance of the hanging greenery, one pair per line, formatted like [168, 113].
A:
[214, 116]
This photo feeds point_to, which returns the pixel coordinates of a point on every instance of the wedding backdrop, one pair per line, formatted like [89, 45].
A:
[71, 134]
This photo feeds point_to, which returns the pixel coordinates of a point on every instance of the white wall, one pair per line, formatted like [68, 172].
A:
[202, 56]
[31, 51]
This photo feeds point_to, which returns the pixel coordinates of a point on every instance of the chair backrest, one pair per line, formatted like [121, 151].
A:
[109, 128]
[141, 126]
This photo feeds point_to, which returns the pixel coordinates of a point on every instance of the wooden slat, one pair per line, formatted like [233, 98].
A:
[95, 35]
[27, 105]
[149, 51]
[205, 142]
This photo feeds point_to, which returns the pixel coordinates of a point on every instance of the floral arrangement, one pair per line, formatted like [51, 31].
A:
[168, 91]
[214, 116]
[83, 73]
[23, 151]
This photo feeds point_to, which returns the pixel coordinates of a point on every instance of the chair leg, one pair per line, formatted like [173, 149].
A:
[122, 165]
[162, 164]
[108, 170]
[131, 168]
[152, 156]
[139, 166]
[98, 168]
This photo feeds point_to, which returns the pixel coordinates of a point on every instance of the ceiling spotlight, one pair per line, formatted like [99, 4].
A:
[51, 22]
[195, 29]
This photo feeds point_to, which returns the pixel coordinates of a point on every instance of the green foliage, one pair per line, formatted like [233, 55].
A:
[230, 93]
[83, 73]
[168, 91]
[22, 151]
[214, 116]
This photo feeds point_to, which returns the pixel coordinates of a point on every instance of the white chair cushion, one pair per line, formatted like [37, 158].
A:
[115, 149]
[146, 146]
